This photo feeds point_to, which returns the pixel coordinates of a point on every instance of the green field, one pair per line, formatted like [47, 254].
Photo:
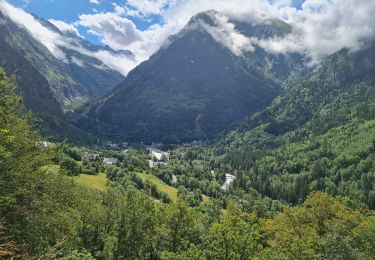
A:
[93, 181]
[162, 186]
[99, 182]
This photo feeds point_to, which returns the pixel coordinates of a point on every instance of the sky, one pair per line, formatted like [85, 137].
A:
[69, 11]
[321, 27]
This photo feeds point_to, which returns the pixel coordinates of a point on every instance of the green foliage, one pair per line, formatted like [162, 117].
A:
[234, 236]
[49, 86]
[192, 198]
[317, 136]
[70, 166]
[49, 216]
[181, 227]
[8, 248]
[37, 208]
[322, 228]
[73, 152]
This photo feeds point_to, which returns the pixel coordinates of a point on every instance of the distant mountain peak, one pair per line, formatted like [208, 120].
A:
[239, 36]
[206, 17]
[198, 84]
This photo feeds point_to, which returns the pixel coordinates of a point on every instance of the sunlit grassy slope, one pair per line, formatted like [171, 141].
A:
[93, 181]
[162, 186]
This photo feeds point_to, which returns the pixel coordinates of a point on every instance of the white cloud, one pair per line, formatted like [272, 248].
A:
[119, 9]
[54, 41]
[114, 30]
[96, 2]
[119, 62]
[120, 33]
[321, 28]
[64, 27]
[148, 7]
[224, 31]
[45, 36]
[77, 61]
[324, 27]
[179, 12]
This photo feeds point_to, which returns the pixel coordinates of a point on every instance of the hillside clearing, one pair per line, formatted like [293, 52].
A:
[162, 186]
[93, 181]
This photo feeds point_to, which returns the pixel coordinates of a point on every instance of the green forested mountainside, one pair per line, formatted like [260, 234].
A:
[194, 87]
[341, 74]
[318, 135]
[284, 69]
[70, 83]
[47, 215]
[47, 85]
[32, 85]
[38, 96]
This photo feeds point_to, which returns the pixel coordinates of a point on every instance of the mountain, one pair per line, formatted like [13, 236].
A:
[73, 79]
[50, 86]
[33, 87]
[338, 75]
[318, 135]
[195, 86]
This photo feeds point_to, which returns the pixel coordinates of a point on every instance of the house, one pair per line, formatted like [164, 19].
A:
[228, 180]
[154, 165]
[158, 154]
[46, 144]
[174, 179]
[111, 145]
[87, 156]
[112, 161]
[151, 164]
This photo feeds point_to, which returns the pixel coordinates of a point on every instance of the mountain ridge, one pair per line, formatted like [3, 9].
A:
[76, 79]
[180, 91]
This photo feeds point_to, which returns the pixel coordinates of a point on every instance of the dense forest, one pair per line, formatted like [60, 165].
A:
[48, 215]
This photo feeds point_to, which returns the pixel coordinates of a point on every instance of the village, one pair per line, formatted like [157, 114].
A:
[112, 154]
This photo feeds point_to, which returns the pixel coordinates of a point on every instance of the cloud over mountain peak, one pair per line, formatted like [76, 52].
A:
[320, 27]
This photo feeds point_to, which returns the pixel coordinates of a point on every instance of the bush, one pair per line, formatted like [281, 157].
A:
[73, 153]
[70, 166]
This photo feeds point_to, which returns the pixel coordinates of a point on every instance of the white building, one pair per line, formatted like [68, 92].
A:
[110, 161]
[86, 156]
[228, 180]
[158, 154]
[154, 165]
[46, 144]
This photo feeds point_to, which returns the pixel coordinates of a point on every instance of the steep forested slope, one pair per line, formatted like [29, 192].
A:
[32, 85]
[73, 80]
[50, 86]
[318, 135]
